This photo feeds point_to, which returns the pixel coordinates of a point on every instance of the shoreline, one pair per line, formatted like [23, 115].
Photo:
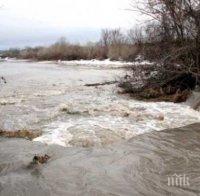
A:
[90, 62]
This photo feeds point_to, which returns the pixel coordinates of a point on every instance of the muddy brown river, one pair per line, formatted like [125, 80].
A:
[127, 152]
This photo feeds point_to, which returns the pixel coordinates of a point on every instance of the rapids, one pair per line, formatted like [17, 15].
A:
[53, 98]
[128, 151]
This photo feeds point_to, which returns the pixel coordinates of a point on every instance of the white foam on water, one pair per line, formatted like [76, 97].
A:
[10, 101]
[56, 134]
[73, 113]
[142, 118]
[49, 93]
[106, 62]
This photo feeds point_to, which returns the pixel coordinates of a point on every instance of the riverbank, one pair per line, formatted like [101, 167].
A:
[131, 85]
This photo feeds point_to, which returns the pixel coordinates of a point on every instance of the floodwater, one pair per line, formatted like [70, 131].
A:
[53, 98]
[143, 165]
[127, 154]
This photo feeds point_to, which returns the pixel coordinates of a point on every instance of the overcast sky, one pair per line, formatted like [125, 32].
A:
[41, 22]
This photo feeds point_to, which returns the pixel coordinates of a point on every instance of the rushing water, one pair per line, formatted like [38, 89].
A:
[125, 161]
[54, 99]
[140, 166]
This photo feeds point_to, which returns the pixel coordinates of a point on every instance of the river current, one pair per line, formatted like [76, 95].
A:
[53, 98]
[101, 143]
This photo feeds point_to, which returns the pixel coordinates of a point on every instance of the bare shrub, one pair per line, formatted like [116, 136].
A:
[173, 40]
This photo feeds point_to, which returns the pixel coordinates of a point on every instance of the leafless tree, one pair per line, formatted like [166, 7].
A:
[174, 30]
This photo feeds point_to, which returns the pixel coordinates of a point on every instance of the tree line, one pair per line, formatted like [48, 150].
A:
[114, 44]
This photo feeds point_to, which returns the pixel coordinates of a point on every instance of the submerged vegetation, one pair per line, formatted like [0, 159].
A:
[20, 134]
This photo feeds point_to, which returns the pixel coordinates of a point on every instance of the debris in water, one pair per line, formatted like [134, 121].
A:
[20, 134]
[102, 84]
[3, 80]
[40, 159]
